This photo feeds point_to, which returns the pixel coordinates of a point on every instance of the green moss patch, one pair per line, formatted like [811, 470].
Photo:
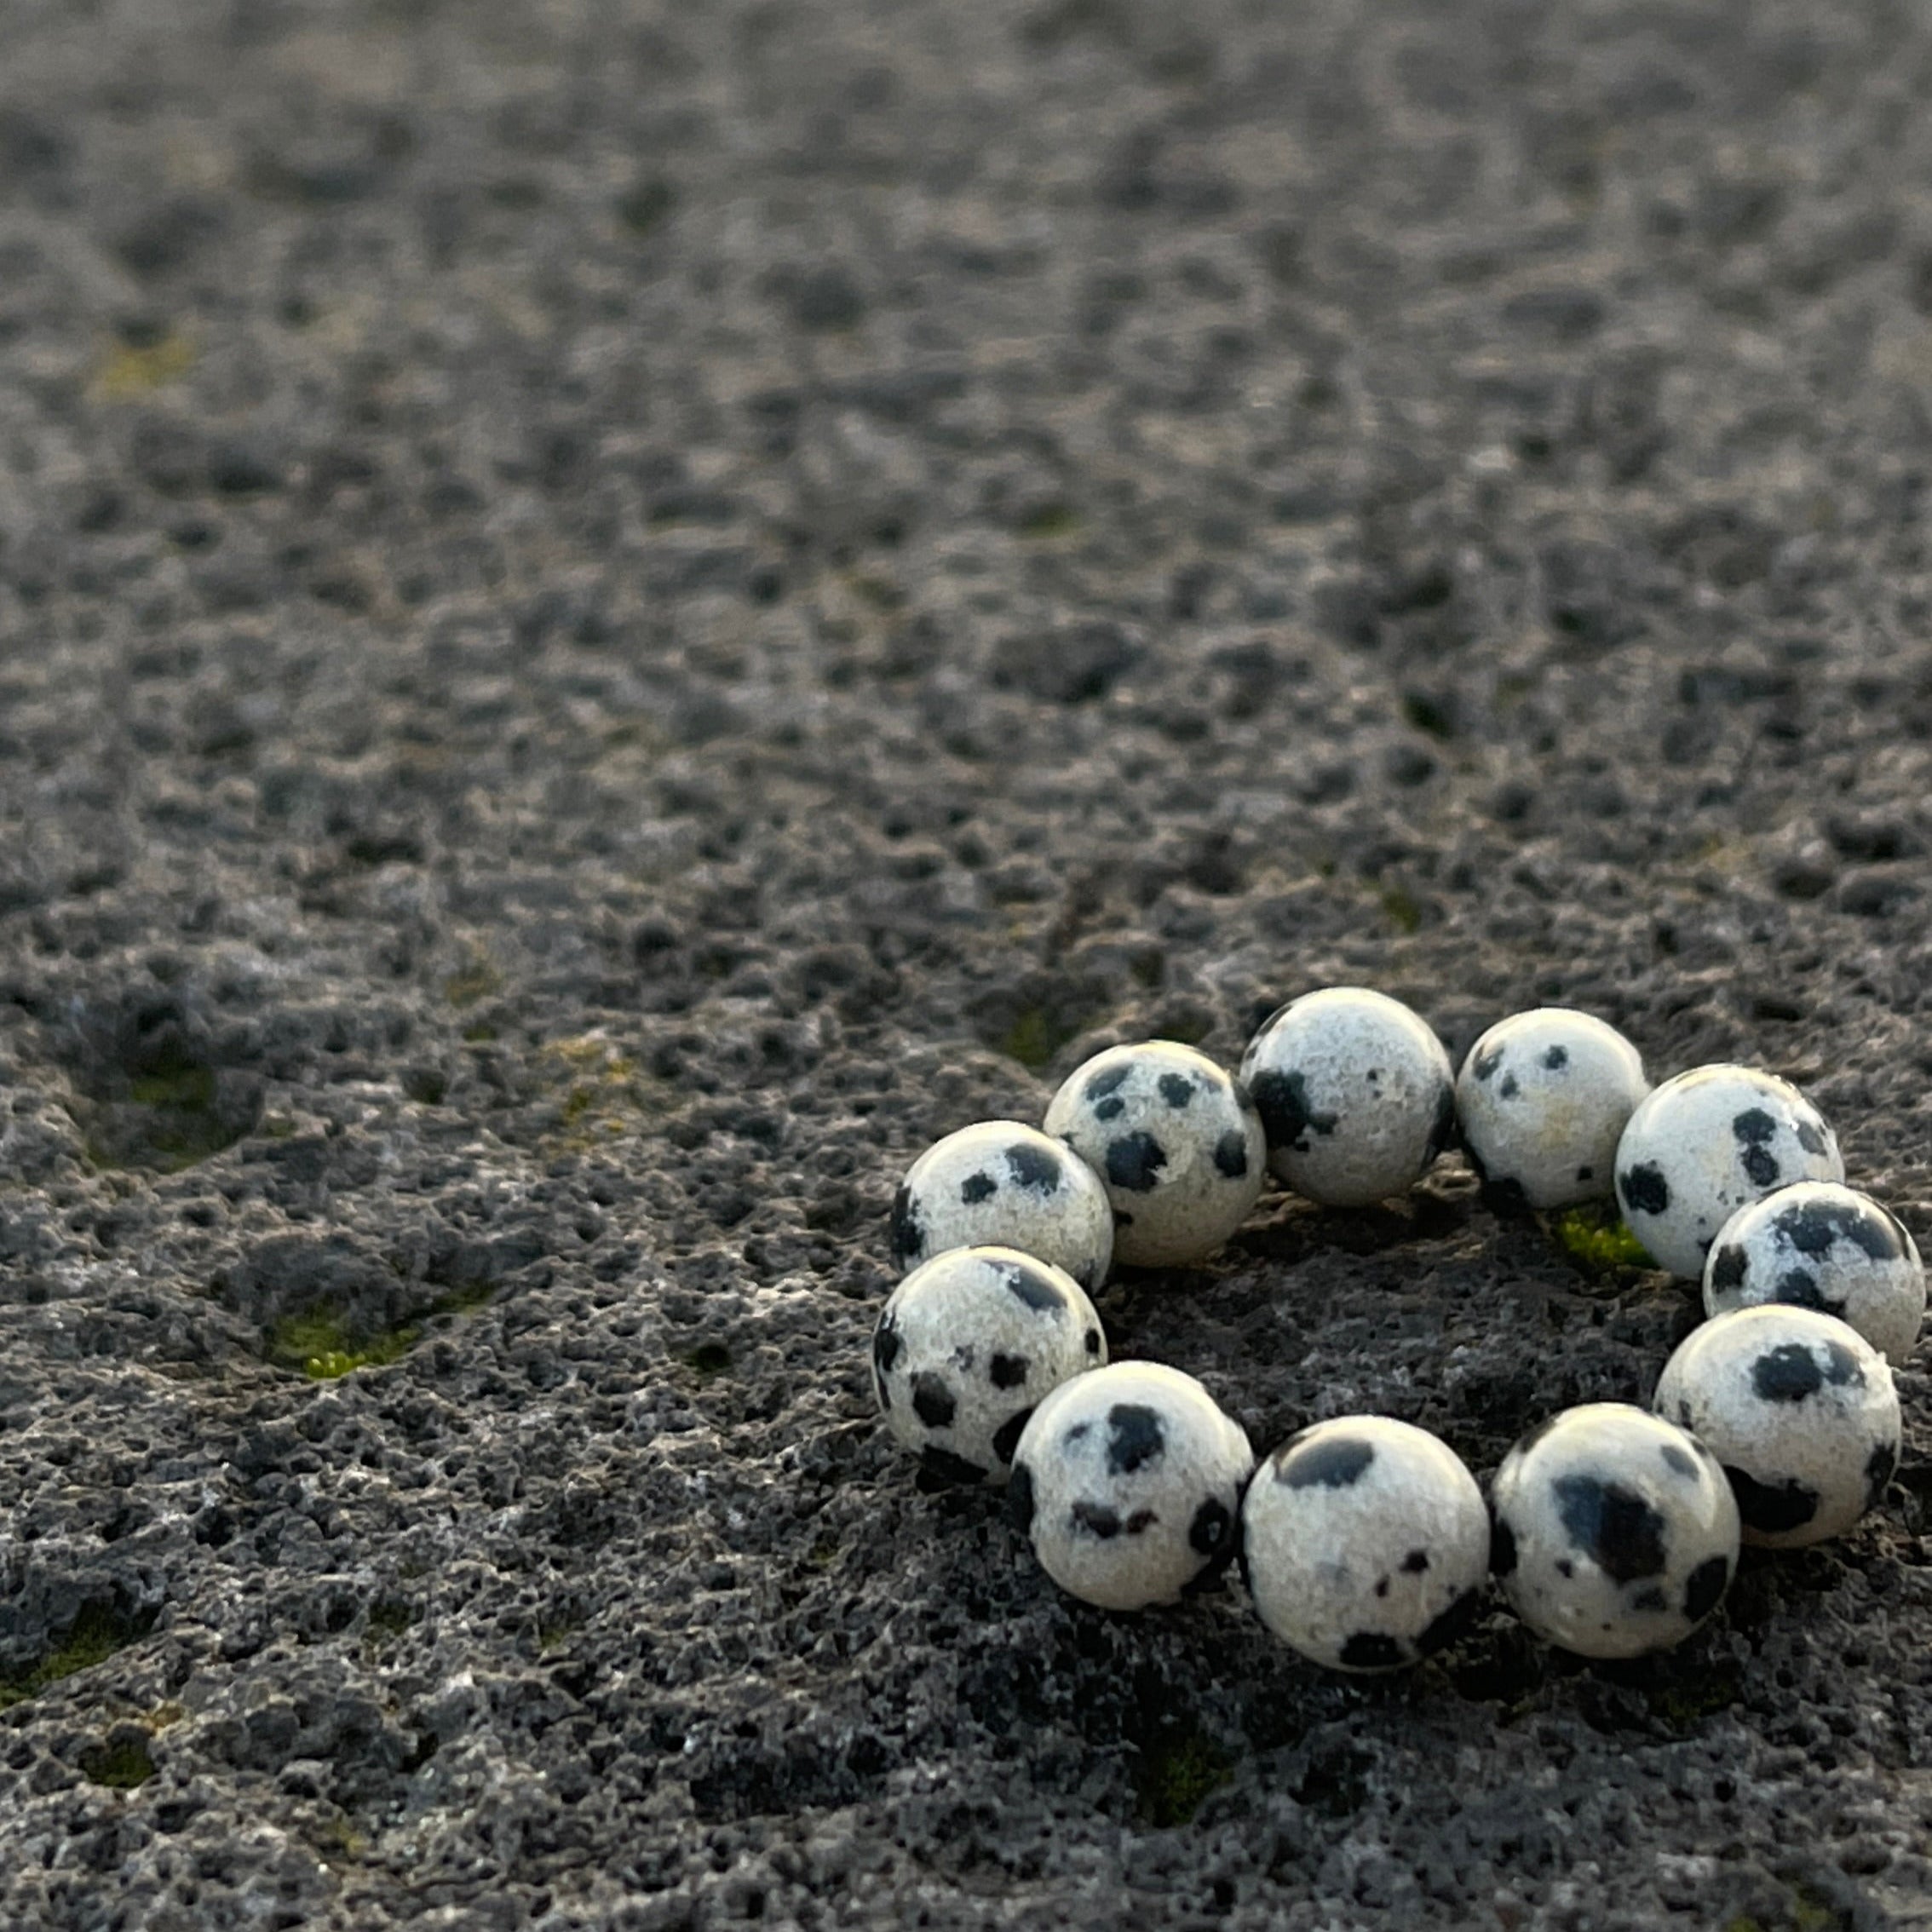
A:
[1176, 1774]
[93, 1637]
[1685, 1705]
[1035, 1036]
[119, 1765]
[1593, 1237]
[168, 1115]
[318, 1343]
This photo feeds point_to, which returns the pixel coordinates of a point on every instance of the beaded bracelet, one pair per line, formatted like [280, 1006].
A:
[1364, 1542]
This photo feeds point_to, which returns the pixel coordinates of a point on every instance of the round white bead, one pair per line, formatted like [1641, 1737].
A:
[1542, 1100]
[1818, 1244]
[1800, 1410]
[1704, 1145]
[1356, 1093]
[1001, 1183]
[1614, 1533]
[965, 1348]
[1175, 1141]
[1129, 1482]
[1364, 1544]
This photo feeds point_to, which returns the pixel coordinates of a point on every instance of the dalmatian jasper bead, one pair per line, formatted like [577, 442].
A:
[1365, 1542]
[1704, 1145]
[1356, 1093]
[1176, 1142]
[1129, 1482]
[1826, 1247]
[1542, 1100]
[1800, 1410]
[1006, 1185]
[966, 1347]
[1614, 1532]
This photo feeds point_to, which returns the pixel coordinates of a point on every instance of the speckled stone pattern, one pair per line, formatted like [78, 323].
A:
[1356, 1093]
[613, 616]
[1614, 1533]
[1801, 1411]
[1129, 1483]
[1707, 1143]
[967, 1346]
[1002, 1183]
[1819, 1244]
[1541, 1102]
[1177, 1143]
[1364, 1544]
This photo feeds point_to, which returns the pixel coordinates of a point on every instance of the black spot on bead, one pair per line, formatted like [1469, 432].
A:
[1705, 1586]
[887, 1341]
[1771, 1508]
[1586, 1174]
[1556, 1058]
[1815, 1227]
[933, 1401]
[1006, 1437]
[1036, 1168]
[908, 1236]
[1176, 1089]
[1728, 1266]
[1450, 1625]
[1336, 1462]
[1789, 1373]
[1109, 1109]
[1501, 1547]
[1799, 1286]
[1096, 1520]
[1808, 1137]
[1415, 1563]
[1613, 1525]
[1509, 1090]
[1231, 1154]
[1880, 1467]
[1110, 1081]
[1008, 1371]
[1135, 1162]
[1076, 1432]
[1650, 1597]
[977, 1188]
[948, 1467]
[1755, 1130]
[1033, 1286]
[1488, 1061]
[1212, 1533]
[1092, 1341]
[1644, 1188]
[1370, 1650]
[1678, 1463]
[1842, 1368]
[1287, 1118]
[1135, 1436]
[1020, 1498]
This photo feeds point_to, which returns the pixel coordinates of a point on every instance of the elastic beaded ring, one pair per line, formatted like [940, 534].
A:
[1365, 1542]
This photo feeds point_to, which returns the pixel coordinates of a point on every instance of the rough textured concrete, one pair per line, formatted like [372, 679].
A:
[613, 615]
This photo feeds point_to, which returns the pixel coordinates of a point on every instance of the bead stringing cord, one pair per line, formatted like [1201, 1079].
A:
[1612, 1530]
